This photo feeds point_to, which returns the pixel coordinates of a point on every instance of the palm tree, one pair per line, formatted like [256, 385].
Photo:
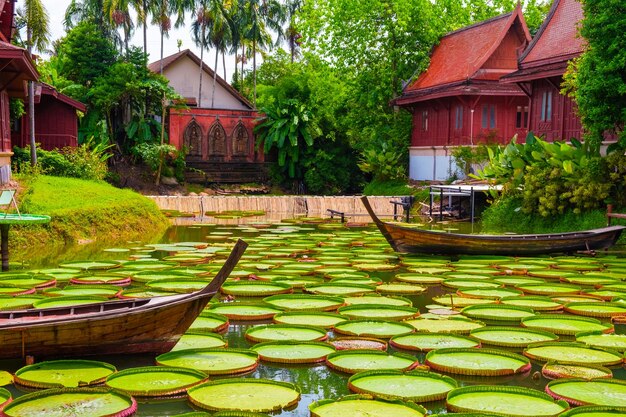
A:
[292, 34]
[37, 37]
[161, 15]
[198, 31]
[259, 18]
[116, 9]
[81, 10]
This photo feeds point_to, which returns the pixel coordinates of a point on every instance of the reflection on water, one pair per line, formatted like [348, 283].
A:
[316, 382]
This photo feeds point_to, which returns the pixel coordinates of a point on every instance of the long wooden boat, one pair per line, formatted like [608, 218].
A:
[404, 238]
[112, 327]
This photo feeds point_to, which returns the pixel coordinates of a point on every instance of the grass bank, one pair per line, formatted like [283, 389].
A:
[506, 216]
[83, 211]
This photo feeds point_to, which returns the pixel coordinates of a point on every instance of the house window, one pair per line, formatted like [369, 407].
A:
[489, 117]
[458, 123]
[546, 106]
[521, 119]
[425, 120]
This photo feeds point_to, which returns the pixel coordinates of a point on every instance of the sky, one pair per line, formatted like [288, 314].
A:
[56, 11]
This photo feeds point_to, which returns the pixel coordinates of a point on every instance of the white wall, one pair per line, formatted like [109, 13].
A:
[184, 76]
[431, 163]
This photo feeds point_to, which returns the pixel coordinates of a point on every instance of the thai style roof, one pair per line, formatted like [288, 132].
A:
[17, 67]
[169, 60]
[462, 59]
[556, 42]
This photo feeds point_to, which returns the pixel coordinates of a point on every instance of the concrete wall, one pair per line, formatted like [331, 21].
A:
[184, 76]
[294, 205]
[431, 163]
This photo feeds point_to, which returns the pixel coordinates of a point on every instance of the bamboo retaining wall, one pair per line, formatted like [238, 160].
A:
[287, 205]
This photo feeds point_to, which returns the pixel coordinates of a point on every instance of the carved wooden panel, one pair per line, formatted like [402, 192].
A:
[192, 138]
[241, 140]
[217, 140]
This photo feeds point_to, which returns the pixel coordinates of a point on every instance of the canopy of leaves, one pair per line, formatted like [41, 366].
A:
[598, 76]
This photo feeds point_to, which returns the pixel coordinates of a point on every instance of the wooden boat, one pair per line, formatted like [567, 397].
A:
[404, 238]
[112, 327]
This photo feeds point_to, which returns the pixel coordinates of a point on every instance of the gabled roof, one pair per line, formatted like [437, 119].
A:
[461, 54]
[557, 38]
[51, 91]
[16, 67]
[169, 60]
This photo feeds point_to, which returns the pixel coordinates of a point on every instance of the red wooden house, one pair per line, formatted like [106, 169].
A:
[16, 68]
[56, 121]
[541, 69]
[459, 100]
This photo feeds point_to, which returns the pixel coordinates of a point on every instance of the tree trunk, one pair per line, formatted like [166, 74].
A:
[145, 27]
[31, 103]
[243, 58]
[217, 55]
[161, 69]
[254, 70]
[224, 63]
[201, 68]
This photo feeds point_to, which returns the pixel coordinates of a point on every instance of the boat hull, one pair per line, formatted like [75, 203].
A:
[411, 240]
[112, 327]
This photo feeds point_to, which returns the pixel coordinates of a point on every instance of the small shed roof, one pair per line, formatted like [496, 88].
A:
[47, 89]
[169, 60]
[17, 67]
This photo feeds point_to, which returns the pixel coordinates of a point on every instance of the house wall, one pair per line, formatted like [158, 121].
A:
[179, 121]
[442, 128]
[56, 125]
[184, 76]
[5, 139]
[563, 123]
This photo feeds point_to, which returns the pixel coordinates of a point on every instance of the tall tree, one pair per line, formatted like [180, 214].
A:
[260, 17]
[220, 35]
[37, 37]
[200, 38]
[291, 33]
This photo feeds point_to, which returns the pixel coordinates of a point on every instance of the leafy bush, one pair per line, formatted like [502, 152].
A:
[383, 162]
[166, 156]
[87, 161]
[466, 157]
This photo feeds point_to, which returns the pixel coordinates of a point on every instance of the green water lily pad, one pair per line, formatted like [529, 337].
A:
[359, 405]
[359, 343]
[321, 319]
[90, 265]
[603, 310]
[549, 289]
[430, 341]
[255, 288]
[293, 352]
[554, 370]
[101, 279]
[537, 303]
[498, 312]
[480, 362]
[298, 282]
[422, 279]
[378, 299]
[28, 281]
[216, 361]
[511, 336]
[13, 291]
[145, 293]
[339, 289]
[304, 302]
[353, 361]
[68, 300]
[5, 379]
[155, 381]
[244, 311]
[211, 322]
[254, 395]
[178, 285]
[488, 293]
[572, 354]
[595, 411]
[81, 402]
[379, 311]
[285, 332]
[458, 283]
[375, 267]
[63, 373]
[504, 401]
[418, 386]
[88, 290]
[515, 280]
[602, 340]
[199, 340]
[372, 328]
[457, 301]
[400, 288]
[565, 325]
[609, 392]
[458, 325]
[148, 276]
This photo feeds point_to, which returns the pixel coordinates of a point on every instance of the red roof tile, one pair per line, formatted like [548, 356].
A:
[462, 53]
[557, 39]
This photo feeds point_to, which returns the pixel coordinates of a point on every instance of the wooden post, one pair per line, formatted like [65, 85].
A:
[4, 246]
[609, 210]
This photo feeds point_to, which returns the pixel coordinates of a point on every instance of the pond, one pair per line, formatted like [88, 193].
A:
[291, 251]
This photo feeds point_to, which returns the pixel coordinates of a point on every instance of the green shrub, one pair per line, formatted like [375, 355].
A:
[391, 187]
[465, 157]
[171, 160]
[383, 162]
